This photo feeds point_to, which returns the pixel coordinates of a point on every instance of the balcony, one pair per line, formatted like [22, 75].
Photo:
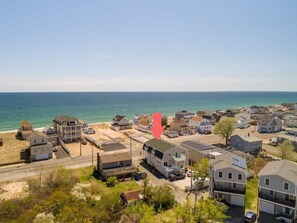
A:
[229, 190]
[283, 215]
[290, 203]
[180, 158]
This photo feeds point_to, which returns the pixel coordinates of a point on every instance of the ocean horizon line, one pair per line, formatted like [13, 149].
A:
[243, 91]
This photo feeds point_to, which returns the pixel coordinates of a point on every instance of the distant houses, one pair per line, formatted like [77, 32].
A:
[145, 123]
[51, 134]
[242, 120]
[290, 121]
[165, 157]
[180, 125]
[269, 124]
[246, 143]
[67, 128]
[40, 147]
[25, 129]
[120, 122]
[200, 124]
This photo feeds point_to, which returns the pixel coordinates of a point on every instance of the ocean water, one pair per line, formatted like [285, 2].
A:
[41, 108]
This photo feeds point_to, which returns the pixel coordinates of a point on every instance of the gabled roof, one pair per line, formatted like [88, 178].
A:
[197, 119]
[267, 118]
[247, 138]
[229, 160]
[130, 196]
[65, 118]
[115, 157]
[118, 118]
[160, 145]
[38, 134]
[26, 123]
[283, 168]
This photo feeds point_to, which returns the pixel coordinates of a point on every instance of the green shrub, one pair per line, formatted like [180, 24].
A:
[111, 181]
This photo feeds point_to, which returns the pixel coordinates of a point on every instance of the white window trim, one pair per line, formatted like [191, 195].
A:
[239, 174]
[231, 176]
[284, 186]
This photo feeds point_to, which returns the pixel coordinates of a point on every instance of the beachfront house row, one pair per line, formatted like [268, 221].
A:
[40, 147]
[184, 114]
[290, 121]
[120, 122]
[200, 124]
[242, 120]
[67, 128]
[115, 164]
[165, 157]
[246, 143]
[269, 124]
[145, 123]
[198, 150]
[257, 109]
[277, 190]
[228, 177]
[181, 126]
[25, 129]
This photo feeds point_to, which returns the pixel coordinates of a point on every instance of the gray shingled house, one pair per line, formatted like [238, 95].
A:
[228, 176]
[246, 143]
[277, 190]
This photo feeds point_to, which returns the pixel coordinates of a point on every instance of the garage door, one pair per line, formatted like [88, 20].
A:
[237, 200]
[267, 207]
[42, 156]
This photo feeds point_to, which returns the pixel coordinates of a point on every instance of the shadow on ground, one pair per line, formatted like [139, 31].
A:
[152, 170]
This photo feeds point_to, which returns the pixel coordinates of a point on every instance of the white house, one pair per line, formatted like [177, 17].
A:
[200, 124]
[242, 120]
[291, 121]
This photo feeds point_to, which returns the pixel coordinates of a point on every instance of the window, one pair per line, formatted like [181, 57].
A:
[165, 163]
[220, 174]
[287, 211]
[271, 193]
[286, 186]
[234, 185]
[42, 140]
[267, 182]
[229, 175]
[239, 176]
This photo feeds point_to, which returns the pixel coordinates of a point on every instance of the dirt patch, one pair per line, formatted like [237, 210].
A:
[13, 190]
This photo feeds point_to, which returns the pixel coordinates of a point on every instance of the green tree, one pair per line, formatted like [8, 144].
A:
[184, 213]
[111, 181]
[160, 197]
[139, 212]
[286, 149]
[164, 121]
[202, 169]
[210, 211]
[224, 128]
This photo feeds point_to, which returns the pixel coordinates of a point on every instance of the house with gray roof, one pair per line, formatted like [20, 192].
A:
[165, 157]
[277, 190]
[120, 122]
[269, 124]
[198, 150]
[246, 143]
[67, 128]
[228, 177]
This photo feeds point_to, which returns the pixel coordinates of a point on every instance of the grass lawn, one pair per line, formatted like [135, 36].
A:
[85, 176]
[251, 194]
[12, 147]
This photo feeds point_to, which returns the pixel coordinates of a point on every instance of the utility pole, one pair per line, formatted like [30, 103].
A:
[80, 147]
[92, 156]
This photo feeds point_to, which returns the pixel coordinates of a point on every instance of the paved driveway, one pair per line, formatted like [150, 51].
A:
[236, 214]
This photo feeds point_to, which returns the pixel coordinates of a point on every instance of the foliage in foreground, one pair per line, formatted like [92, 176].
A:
[203, 211]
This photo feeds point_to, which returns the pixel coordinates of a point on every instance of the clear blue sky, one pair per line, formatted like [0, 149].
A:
[156, 45]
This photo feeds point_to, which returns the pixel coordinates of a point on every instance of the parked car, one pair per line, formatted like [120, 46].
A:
[176, 176]
[250, 217]
[140, 176]
[189, 173]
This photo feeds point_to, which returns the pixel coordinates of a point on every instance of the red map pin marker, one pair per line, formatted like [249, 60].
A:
[157, 128]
